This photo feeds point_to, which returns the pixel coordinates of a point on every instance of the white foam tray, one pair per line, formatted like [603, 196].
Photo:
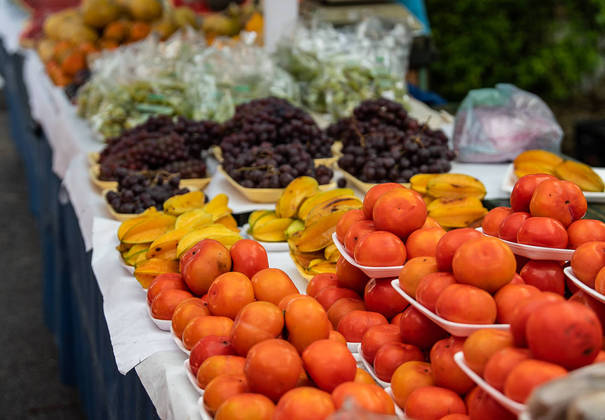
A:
[584, 287]
[454, 328]
[536, 252]
[162, 324]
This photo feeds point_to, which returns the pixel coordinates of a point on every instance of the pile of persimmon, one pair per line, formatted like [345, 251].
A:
[588, 264]
[546, 212]
[549, 337]
[258, 348]
[391, 228]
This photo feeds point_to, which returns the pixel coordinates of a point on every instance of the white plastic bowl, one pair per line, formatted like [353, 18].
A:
[536, 252]
[398, 410]
[454, 328]
[585, 288]
[370, 369]
[162, 324]
[203, 412]
[512, 406]
[179, 342]
[192, 378]
[373, 272]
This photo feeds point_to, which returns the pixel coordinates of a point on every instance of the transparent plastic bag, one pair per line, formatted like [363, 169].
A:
[496, 124]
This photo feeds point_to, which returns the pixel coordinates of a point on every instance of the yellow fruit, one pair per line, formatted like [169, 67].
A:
[294, 194]
[179, 204]
[135, 254]
[218, 206]
[456, 212]
[54, 23]
[215, 231]
[343, 203]
[164, 246]
[528, 168]
[149, 229]
[145, 9]
[258, 218]
[193, 219]
[228, 221]
[321, 267]
[185, 17]
[538, 156]
[146, 270]
[419, 182]
[580, 174]
[331, 253]
[295, 226]
[321, 198]
[272, 231]
[99, 13]
[454, 186]
[318, 235]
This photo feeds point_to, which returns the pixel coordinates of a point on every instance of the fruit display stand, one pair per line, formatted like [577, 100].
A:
[122, 364]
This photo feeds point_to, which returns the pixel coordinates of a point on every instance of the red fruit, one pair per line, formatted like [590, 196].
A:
[379, 296]
[326, 297]
[345, 222]
[211, 345]
[446, 372]
[431, 286]
[377, 336]
[249, 257]
[380, 249]
[585, 230]
[547, 276]
[511, 225]
[399, 211]
[321, 281]
[561, 200]
[493, 219]
[355, 324]
[524, 189]
[165, 281]
[357, 231]
[542, 231]
[349, 276]
[528, 375]
[597, 307]
[418, 330]
[483, 407]
[449, 243]
[374, 193]
[566, 333]
[525, 308]
[392, 355]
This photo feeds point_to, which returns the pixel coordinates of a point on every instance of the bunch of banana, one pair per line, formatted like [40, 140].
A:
[453, 200]
[154, 241]
[306, 217]
[543, 162]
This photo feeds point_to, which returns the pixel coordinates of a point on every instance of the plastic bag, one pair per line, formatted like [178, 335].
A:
[495, 125]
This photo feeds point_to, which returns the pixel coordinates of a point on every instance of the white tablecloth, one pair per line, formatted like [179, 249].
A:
[12, 21]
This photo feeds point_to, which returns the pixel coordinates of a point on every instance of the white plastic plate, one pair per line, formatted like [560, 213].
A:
[354, 347]
[454, 328]
[585, 288]
[398, 410]
[178, 342]
[269, 246]
[373, 272]
[162, 324]
[203, 412]
[370, 369]
[512, 406]
[536, 252]
[192, 378]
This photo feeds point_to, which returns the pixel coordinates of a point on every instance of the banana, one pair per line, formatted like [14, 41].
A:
[215, 231]
[343, 203]
[454, 186]
[193, 219]
[321, 198]
[180, 204]
[580, 174]
[150, 229]
[164, 246]
[294, 194]
[318, 235]
[419, 182]
[146, 270]
[456, 212]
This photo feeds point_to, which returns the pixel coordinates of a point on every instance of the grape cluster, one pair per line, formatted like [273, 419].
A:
[382, 143]
[275, 121]
[161, 143]
[274, 166]
[141, 190]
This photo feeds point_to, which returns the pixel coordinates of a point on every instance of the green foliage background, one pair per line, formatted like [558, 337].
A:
[544, 46]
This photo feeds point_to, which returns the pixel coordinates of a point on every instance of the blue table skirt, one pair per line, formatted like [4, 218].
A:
[73, 305]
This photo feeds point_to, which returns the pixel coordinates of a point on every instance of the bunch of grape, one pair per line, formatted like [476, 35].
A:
[139, 191]
[382, 143]
[273, 166]
[275, 121]
[161, 143]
